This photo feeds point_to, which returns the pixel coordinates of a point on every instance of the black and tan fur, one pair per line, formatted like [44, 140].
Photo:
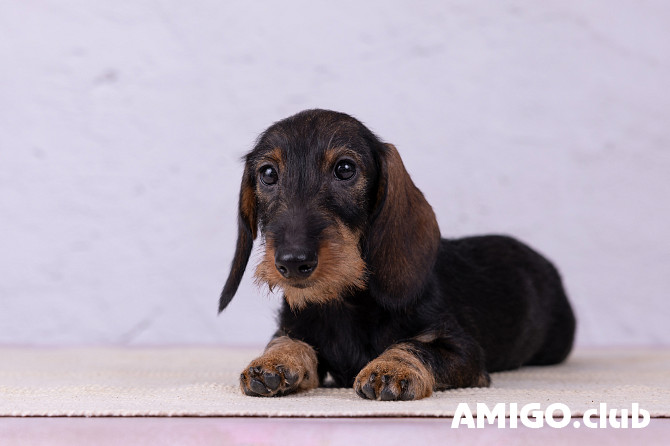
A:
[373, 296]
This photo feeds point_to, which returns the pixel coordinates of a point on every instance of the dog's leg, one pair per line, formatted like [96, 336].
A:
[412, 370]
[285, 366]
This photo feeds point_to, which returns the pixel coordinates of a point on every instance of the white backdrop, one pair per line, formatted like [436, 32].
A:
[122, 124]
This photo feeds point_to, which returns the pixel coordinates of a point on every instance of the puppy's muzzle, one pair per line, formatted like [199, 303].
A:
[296, 263]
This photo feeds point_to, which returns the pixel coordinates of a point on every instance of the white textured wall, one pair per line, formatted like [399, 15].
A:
[122, 124]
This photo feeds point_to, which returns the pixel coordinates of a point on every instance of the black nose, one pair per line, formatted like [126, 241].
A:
[295, 263]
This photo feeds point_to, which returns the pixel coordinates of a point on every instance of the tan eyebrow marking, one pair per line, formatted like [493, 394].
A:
[333, 154]
[273, 156]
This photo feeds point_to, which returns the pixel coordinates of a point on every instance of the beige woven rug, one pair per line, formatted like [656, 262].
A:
[203, 382]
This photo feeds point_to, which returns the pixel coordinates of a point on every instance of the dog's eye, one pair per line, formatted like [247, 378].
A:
[268, 175]
[345, 170]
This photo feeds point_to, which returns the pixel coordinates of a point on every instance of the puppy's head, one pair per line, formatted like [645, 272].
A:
[337, 212]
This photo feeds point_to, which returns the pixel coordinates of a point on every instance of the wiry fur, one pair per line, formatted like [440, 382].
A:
[341, 270]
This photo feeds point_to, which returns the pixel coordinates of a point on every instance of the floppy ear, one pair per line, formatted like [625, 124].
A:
[246, 233]
[403, 238]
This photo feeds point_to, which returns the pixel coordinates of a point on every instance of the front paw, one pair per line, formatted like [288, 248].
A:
[396, 375]
[265, 379]
[285, 367]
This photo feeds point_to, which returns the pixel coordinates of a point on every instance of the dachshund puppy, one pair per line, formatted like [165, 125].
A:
[373, 296]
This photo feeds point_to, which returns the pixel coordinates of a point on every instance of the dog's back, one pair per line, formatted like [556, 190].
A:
[509, 298]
